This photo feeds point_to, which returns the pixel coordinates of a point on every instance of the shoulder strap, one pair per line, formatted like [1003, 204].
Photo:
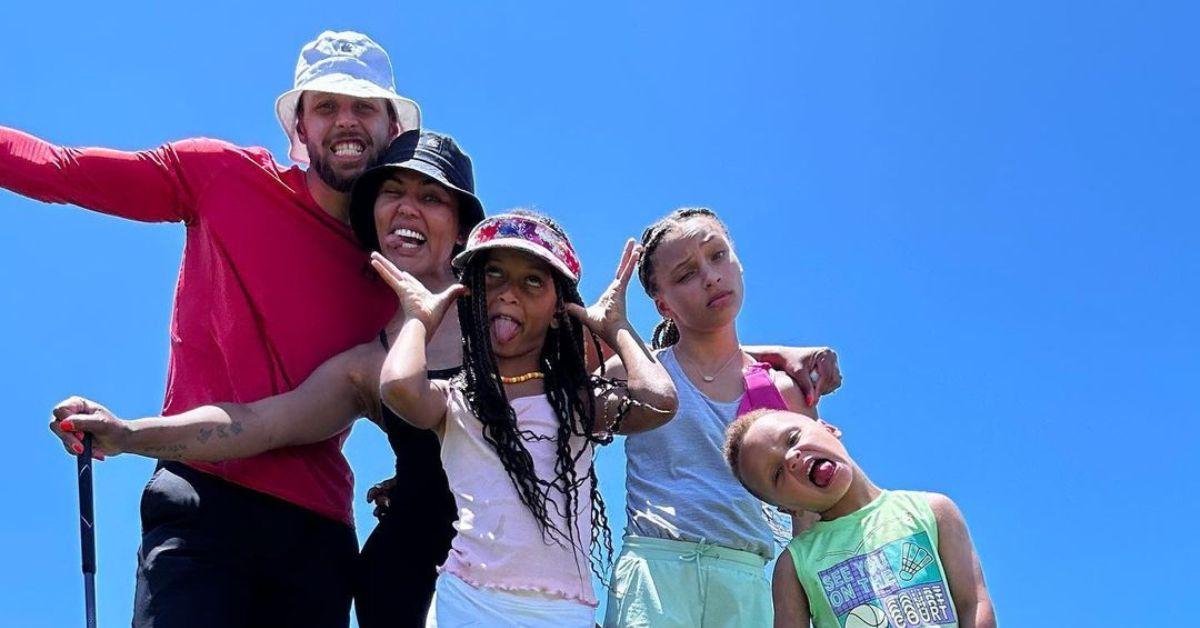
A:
[760, 390]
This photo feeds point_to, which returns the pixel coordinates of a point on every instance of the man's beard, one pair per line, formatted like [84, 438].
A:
[331, 178]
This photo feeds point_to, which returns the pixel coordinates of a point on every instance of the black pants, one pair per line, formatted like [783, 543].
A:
[397, 572]
[398, 565]
[216, 554]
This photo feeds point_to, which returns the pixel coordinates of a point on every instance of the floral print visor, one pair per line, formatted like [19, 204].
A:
[526, 234]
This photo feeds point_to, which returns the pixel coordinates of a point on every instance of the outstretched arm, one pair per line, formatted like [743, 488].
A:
[963, 572]
[648, 383]
[149, 186]
[404, 385]
[324, 405]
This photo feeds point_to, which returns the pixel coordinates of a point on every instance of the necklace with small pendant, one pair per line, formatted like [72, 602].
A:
[711, 378]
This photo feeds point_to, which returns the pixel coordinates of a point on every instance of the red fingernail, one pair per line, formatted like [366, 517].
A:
[77, 448]
[811, 401]
[68, 426]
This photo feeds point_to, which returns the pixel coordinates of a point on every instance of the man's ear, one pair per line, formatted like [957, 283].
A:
[831, 428]
[300, 132]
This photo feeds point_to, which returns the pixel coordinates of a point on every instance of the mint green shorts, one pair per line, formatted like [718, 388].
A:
[658, 583]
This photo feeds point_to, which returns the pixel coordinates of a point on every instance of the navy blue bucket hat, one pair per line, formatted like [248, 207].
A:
[430, 153]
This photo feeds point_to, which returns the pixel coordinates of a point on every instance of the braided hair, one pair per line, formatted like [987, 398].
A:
[568, 387]
[666, 332]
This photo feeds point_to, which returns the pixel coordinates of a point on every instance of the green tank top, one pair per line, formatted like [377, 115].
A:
[877, 567]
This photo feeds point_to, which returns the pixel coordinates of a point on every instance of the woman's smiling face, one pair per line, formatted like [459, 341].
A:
[417, 222]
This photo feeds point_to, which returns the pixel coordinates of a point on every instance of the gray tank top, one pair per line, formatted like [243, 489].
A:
[677, 483]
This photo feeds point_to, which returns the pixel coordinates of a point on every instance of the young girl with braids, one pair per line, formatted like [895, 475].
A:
[526, 408]
[697, 542]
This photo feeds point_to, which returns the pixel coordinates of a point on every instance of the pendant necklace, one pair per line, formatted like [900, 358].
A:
[710, 378]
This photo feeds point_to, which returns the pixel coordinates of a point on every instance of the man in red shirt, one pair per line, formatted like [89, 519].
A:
[272, 284]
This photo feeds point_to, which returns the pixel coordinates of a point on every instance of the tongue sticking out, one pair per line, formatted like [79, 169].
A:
[504, 329]
[822, 473]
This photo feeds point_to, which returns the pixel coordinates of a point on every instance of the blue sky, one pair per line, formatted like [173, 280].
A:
[988, 209]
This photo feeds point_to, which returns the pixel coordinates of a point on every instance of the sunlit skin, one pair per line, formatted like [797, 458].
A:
[521, 301]
[698, 281]
[784, 458]
[344, 135]
[416, 219]
[698, 277]
[698, 284]
[521, 298]
[347, 386]
[780, 460]
[412, 201]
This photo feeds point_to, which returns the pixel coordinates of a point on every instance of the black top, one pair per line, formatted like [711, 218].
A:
[421, 486]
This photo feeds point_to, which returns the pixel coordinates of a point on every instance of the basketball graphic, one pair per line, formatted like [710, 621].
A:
[866, 616]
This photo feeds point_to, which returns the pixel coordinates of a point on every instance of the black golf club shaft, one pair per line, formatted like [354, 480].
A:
[87, 530]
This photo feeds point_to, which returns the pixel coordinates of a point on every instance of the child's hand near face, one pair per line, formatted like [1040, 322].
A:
[607, 316]
[416, 301]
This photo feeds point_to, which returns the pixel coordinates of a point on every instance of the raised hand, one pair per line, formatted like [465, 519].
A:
[607, 315]
[416, 301]
[74, 416]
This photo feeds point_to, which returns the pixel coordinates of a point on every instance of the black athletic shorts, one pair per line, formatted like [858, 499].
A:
[217, 554]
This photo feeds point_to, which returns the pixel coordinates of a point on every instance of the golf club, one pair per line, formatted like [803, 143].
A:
[87, 531]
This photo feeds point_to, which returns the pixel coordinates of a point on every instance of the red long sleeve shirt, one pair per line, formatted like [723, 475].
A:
[270, 285]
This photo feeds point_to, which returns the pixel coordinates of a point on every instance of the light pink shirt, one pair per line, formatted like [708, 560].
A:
[499, 544]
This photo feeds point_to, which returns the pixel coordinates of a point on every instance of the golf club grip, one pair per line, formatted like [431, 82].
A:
[87, 532]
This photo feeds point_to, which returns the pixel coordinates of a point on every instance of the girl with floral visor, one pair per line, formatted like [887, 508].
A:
[526, 407]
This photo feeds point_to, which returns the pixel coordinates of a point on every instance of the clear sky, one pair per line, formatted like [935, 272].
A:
[988, 208]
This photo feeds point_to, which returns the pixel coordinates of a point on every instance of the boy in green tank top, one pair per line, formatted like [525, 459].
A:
[876, 558]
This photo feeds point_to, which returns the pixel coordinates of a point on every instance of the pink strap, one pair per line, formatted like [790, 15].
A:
[760, 390]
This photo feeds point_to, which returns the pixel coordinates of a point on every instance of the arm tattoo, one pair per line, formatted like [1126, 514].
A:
[163, 451]
[205, 434]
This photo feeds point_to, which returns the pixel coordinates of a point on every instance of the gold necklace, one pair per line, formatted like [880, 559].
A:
[710, 378]
[518, 379]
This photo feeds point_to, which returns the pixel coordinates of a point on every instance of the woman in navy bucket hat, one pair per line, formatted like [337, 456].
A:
[398, 563]
[415, 208]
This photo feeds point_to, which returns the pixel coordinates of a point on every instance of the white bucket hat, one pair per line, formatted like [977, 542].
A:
[346, 63]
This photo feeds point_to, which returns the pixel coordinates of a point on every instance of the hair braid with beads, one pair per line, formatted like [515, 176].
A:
[666, 332]
[569, 389]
